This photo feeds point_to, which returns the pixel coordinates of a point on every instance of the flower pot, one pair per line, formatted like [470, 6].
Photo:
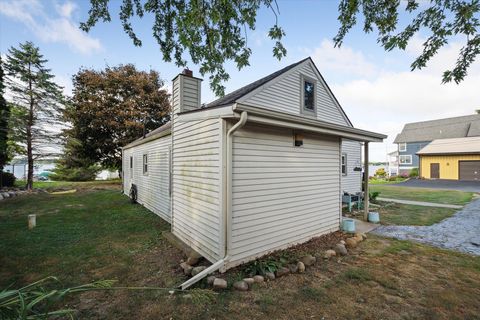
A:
[348, 225]
[374, 217]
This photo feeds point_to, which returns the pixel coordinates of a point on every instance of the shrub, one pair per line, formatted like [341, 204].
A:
[7, 179]
[372, 196]
[413, 173]
[62, 173]
[392, 179]
[381, 173]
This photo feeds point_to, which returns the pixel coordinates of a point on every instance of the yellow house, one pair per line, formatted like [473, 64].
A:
[454, 159]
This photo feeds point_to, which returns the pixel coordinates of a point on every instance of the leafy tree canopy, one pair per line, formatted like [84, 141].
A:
[4, 116]
[212, 32]
[109, 109]
[443, 20]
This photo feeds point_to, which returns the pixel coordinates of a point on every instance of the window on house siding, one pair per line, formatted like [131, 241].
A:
[145, 164]
[405, 159]
[308, 96]
[402, 147]
[344, 164]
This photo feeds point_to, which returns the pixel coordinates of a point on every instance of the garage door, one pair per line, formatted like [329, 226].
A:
[469, 170]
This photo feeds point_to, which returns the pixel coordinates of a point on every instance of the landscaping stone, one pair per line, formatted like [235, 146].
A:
[340, 249]
[193, 258]
[197, 270]
[259, 279]
[220, 284]
[351, 243]
[270, 275]
[187, 269]
[308, 260]
[363, 236]
[329, 253]
[249, 281]
[300, 267]
[12, 194]
[1, 196]
[282, 271]
[5, 195]
[241, 286]
[342, 241]
[293, 268]
[210, 280]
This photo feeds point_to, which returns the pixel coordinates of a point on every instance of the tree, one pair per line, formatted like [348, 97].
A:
[39, 101]
[442, 19]
[111, 108]
[211, 31]
[4, 116]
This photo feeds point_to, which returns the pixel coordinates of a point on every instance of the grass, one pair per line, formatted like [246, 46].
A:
[49, 185]
[385, 181]
[97, 234]
[411, 215]
[423, 194]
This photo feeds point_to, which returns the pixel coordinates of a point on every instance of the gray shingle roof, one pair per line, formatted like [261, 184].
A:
[466, 145]
[237, 94]
[457, 127]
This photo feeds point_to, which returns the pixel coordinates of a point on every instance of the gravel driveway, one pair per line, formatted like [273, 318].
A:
[460, 232]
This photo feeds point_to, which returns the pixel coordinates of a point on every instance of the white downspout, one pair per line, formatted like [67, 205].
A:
[227, 207]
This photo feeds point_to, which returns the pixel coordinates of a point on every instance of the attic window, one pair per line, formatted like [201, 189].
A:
[308, 96]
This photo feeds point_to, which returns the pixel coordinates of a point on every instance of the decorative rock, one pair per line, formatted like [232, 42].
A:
[329, 253]
[249, 281]
[351, 243]
[293, 268]
[12, 194]
[270, 275]
[187, 269]
[219, 284]
[282, 271]
[197, 270]
[241, 286]
[193, 258]
[210, 280]
[340, 249]
[300, 267]
[5, 195]
[308, 260]
[342, 242]
[258, 278]
[1, 196]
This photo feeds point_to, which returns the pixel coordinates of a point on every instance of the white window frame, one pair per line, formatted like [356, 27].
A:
[402, 147]
[304, 110]
[145, 164]
[344, 163]
[407, 156]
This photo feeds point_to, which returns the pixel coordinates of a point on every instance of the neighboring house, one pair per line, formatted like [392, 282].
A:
[455, 159]
[392, 164]
[18, 167]
[260, 169]
[417, 135]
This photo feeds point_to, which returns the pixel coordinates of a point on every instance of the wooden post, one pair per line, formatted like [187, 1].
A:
[365, 182]
[32, 221]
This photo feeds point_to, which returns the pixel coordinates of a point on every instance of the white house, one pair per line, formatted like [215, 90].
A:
[261, 169]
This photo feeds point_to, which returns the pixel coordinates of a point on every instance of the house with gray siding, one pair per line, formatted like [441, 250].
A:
[260, 169]
[417, 135]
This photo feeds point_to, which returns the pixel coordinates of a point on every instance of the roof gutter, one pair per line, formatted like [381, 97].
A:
[226, 206]
[282, 119]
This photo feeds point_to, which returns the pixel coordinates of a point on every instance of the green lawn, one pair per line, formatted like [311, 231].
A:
[48, 185]
[423, 194]
[410, 215]
[97, 234]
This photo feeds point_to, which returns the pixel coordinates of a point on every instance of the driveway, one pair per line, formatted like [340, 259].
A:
[459, 232]
[469, 186]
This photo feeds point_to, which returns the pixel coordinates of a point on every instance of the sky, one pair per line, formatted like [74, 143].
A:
[376, 88]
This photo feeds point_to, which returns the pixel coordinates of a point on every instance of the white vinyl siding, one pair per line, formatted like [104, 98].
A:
[153, 188]
[196, 184]
[352, 181]
[285, 95]
[282, 194]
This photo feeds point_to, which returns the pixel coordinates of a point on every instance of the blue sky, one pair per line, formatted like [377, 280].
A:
[376, 88]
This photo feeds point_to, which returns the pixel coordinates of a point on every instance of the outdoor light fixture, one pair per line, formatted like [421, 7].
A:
[298, 139]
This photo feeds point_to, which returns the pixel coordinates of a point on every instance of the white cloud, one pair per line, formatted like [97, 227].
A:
[61, 29]
[343, 59]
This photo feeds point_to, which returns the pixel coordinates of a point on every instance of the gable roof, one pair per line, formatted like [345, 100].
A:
[466, 145]
[237, 94]
[457, 127]
[152, 135]
[243, 91]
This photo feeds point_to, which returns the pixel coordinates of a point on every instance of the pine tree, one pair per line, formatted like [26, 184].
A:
[39, 98]
[4, 116]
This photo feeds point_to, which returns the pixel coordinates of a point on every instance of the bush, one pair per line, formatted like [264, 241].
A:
[413, 173]
[62, 173]
[392, 179]
[7, 179]
[372, 196]
[381, 173]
